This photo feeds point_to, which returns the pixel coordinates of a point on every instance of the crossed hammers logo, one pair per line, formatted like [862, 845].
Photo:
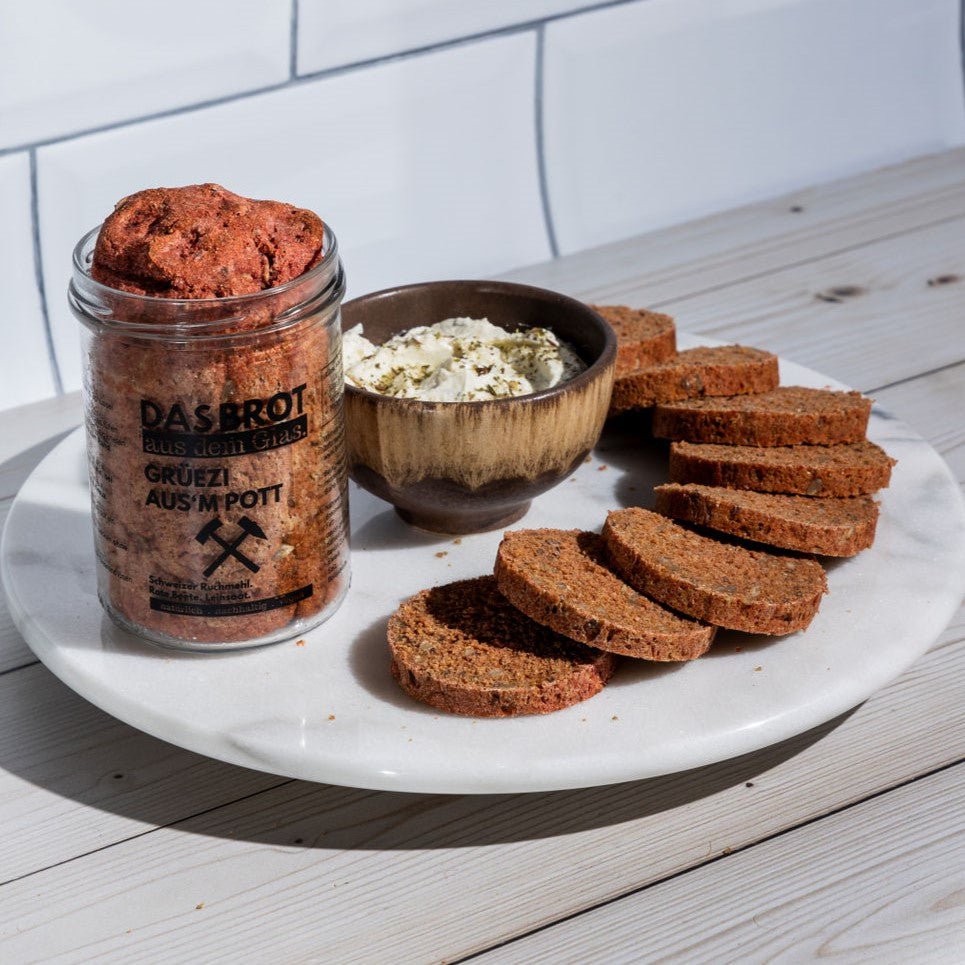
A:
[248, 528]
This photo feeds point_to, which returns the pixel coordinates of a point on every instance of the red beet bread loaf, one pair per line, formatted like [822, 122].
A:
[848, 470]
[789, 415]
[719, 583]
[560, 579]
[643, 337]
[464, 649]
[696, 372]
[829, 527]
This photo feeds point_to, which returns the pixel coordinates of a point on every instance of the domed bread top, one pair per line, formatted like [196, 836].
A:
[203, 241]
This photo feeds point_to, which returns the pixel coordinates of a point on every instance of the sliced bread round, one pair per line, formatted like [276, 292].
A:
[463, 648]
[847, 470]
[560, 578]
[830, 527]
[643, 337]
[789, 415]
[720, 583]
[694, 373]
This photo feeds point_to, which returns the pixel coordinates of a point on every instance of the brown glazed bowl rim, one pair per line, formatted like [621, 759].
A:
[594, 369]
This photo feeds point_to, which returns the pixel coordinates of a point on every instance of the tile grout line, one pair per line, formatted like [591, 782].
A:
[296, 79]
[293, 43]
[538, 91]
[704, 864]
[39, 273]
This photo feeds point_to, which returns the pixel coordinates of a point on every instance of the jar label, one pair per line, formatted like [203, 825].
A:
[220, 518]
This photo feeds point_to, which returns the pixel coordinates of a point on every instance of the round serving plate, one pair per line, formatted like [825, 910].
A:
[326, 708]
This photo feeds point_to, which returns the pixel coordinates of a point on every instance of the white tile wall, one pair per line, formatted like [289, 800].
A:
[66, 65]
[335, 32]
[659, 111]
[427, 165]
[25, 370]
[425, 168]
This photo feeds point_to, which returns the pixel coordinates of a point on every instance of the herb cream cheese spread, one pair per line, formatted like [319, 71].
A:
[459, 360]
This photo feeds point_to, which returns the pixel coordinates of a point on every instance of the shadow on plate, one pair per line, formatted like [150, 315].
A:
[369, 661]
[119, 770]
[387, 531]
[627, 446]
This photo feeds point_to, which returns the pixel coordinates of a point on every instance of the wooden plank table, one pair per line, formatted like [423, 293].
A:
[846, 841]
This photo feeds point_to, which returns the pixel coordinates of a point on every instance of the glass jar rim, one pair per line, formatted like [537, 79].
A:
[95, 304]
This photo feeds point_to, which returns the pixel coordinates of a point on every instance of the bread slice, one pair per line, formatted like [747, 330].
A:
[719, 583]
[643, 337]
[464, 649]
[560, 578]
[694, 373]
[830, 527]
[848, 470]
[789, 415]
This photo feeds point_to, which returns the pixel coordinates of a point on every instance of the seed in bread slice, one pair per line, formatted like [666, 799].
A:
[720, 583]
[560, 578]
[463, 648]
[790, 415]
[830, 527]
[643, 337]
[694, 373]
[847, 470]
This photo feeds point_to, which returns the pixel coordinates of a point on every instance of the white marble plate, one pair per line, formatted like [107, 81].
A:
[329, 711]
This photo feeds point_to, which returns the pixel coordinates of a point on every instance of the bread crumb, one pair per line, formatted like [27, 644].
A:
[440, 554]
[588, 459]
[458, 541]
[600, 468]
[331, 717]
[614, 717]
[299, 643]
[199, 906]
[758, 669]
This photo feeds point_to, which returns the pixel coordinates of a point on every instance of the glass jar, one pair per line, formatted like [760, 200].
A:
[215, 439]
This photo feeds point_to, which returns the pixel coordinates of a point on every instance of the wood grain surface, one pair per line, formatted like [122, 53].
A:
[859, 886]
[845, 841]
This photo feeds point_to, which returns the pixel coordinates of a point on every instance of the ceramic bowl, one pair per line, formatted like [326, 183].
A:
[467, 467]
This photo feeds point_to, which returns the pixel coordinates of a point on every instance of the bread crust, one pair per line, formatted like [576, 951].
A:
[559, 578]
[828, 527]
[785, 416]
[695, 373]
[643, 337]
[723, 584]
[853, 469]
[464, 649]
[203, 241]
